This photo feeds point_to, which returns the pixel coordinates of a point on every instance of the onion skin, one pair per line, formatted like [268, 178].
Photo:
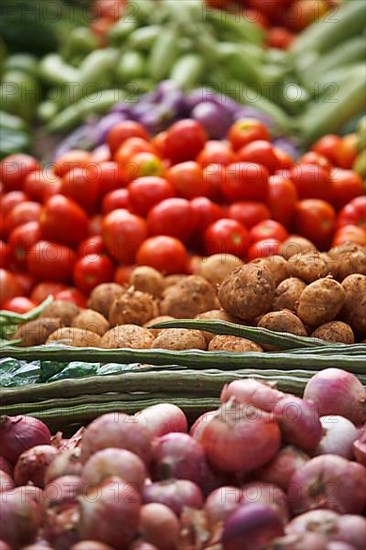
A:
[20, 433]
[143, 545]
[60, 526]
[359, 447]
[339, 435]
[159, 525]
[5, 466]
[200, 423]
[252, 392]
[20, 519]
[221, 503]
[4, 545]
[299, 541]
[163, 418]
[339, 545]
[251, 527]
[175, 493]
[39, 545]
[337, 392]
[329, 482]
[280, 470]
[6, 482]
[29, 492]
[65, 463]
[32, 465]
[259, 492]
[299, 422]
[90, 545]
[62, 491]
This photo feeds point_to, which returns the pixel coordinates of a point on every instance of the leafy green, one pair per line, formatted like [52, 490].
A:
[76, 369]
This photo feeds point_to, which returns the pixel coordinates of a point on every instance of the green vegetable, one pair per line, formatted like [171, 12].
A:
[243, 30]
[163, 55]
[95, 73]
[13, 141]
[120, 31]
[75, 369]
[359, 165]
[19, 94]
[81, 42]
[130, 65]
[241, 66]
[21, 62]
[54, 70]
[12, 122]
[188, 70]
[145, 37]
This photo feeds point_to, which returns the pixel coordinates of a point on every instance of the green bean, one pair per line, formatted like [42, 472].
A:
[11, 318]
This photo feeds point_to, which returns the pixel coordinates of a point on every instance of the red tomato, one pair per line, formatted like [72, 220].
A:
[131, 147]
[100, 28]
[349, 233]
[346, 151]
[205, 212]
[92, 270]
[282, 198]
[14, 169]
[302, 13]
[124, 130]
[41, 184]
[311, 182]
[41, 291]
[91, 245]
[51, 261]
[284, 160]
[327, 146]
[72, 159]
[166, 254]
[123, 274]
[72, 295]
[9, 286]
[245, 181]
[184, 140]
[101, 154]
[226, 237]
[214, 175]
[279, 37]
[62, 220]
[315, 220]
[193, 263]
[159, 142]
[10, 200]
[268, 229]
[263, 249]
[354, 213]
[25, 212]
[312, 157]
[21, 239]
[173, 217]
[4, 255]
[122, 234]
[147, 191]
[95, 225]
[143, 164]
[261, 152]
[112, 9]
[248, 213]
[215, 151]
[187, 179]
[110, 177]
[255, 16]
[246, 130]
[115, 200]
[25, 282]
[347, 185]
[82, 186]
[19, 304]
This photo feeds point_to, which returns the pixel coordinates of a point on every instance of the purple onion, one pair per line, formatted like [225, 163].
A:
[103, 127]
[78, 139]
[122, 107]
[213, 118]
[164, 88]
[288, 146]
[249, 112]
[152, 120]
[175, 103]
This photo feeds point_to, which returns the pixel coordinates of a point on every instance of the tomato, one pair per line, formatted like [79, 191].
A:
[9, 286]
[302, 13]
[19, 304]
[226, 237]
[327, 146]
[213, 174]
[41, 291]
[14, 169]
[72, 295]
[10, 200]
[315, 220]
[284, 160]
[279, 37]
[122, 234]
[346, 151]
[91, 245]
[112, 9]
[187, 179]
[25, 212]
[62, 220]
[21, 239]
[92, 270]
[143, 164]
[173, 217]
[81, 185]
[193, 263]
[72, 159]
[282, 198]
[263, 249]
[131, 147]
[100, 28]
[123, 274]
[261, 152]
[51, 262]
[95, 225]
[147, 191]
[159, 142]
[25, 282]
[166, 254]
[184, 140]
[245, 181]
[41, 184]
[268, 229]
[215, 151]
[4, 255]
[205, 212]
[312, 182]
[110, 177]
[347, 185]
[312, 157]
[349, 233]
[255, 16]
[246, 130]
[248, 213]
[354, 213]
[124, 130]
[115, 200]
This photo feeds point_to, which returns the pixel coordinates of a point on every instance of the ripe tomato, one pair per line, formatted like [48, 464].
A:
[184, 140]
[347, 185]
[327, 146]
[72, 159]
[122, 234]
[100, 28]
[62, 220]
[4, 255]
[193, 263]
[41, 291]
[9, 286]
[101, 154]
[25, 282]
[95, 225]
[263, 249]
[166, 254]
[25, 212]
[147, 191]
[19, 304]
[246, 130]
[110, 177]
[187, 179]
[111, 9]
[255, 16]
[159, 142]
[354, 213]
[82, 186]
[92, 270]
[124, 130]
[312, 157]
[311, 182]
[115, 200]
[215, 151]
[131, 147]
[72, 295]
[245, 181]
[284, 160]
[21, 239]
[349, 233]
[143, 164]
[248, 213]
[205, 212]
[10, 200]
[346, 151]
[173, 217]
[261, 152]
[91, 245]
[213, 174]
[279, 37]
[315, 220]
[282, 198]
[50, 261]
[268, 229]
[226, 237]
[14, 169]
[41, 184]
[302, 13]
[123, 274]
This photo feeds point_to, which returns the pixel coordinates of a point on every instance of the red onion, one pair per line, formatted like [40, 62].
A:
[221, 503]
[110, 513]
[299, 541]
[299, 422]
[280, 470]
[39, 545]
[142, 545]
[339, 434]
[67, 444]
[252, 392]
[116, 430]
[20, 519]
[159, 525]
[91, 545]
[6, 482]
[66, 463]
[62, 491]
[251, 527]
[29, 492]
[32, 465]
[259, 492]
[352, 529]
[330, 482]
[337, 392]
[4, 545]
[5, 466]
[20, 433]
[174, 493]
[200, 423]
[359, 447]
[163, 418]
[60, 526]
[240, 438]
[339, 545]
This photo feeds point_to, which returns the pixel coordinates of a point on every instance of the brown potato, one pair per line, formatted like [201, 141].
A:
[320, 302]
[222, 342]
[248, 291]
[147, 279]
[217, 267]
[65, 311]
[102, 297]
[215, 314]
[188, 298]
[35, 333]
[171, 280]
[277, 265]
[348, 259]
[88, 319]
[310, 266]
[335, 331]
[180, 339]
[287, 294]
[77, 337]
[283, 321]
[155, 320]
[133, 307]
[295, 245]
[127, 336]
[354, 309]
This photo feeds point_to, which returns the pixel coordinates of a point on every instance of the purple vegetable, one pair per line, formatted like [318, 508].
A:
[78, 139]
[105, 124]
[175, 103]
[166, 87]
[249, 112]
[214, 118]
[288, 146]
[123, 108]
[153, 121]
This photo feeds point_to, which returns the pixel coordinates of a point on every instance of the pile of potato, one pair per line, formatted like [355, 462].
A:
[302, 291]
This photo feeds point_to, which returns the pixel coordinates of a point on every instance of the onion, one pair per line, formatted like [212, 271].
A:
[240, 438]
[110, 513]
[113, 462]
[337, 392]
[29, 492]
[339, 545]
[352, 529]
[174, 493]
[339, 434]
[60, 526]
[39, 545]
[116, 430]
[90, 545]
[252, 392]
[331, 482]
[32, 465]
[200, 423]
[142, 545]
[159, 525]
[259, 492]
[20, 519]
[251, 527]
[5, 466]
[299, 422]
[6, 482]
[4, 545]
[213, 117]
[66, 463]
[250, 112]
[163, 418]
[104, 125]
[280, 470]
[359, 447]
[221, 503]
[61, 491]
[20, 433]
[299, 541]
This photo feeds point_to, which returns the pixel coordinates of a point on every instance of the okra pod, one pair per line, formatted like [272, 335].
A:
[163, 55]
[188, 70]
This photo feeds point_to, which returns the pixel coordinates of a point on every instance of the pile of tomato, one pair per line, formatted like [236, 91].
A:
[166, 201]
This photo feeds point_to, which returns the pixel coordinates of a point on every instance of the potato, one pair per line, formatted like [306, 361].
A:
[320, 302]
[133, 307]
[188, 298]
[88, 319]
[102, 297]
[35, 333]
[180, 339]
[147, 279]
[310, 266]
[215, 314]
[283, 321]
[348, 259]
[171, 280]
[65, 311]
[335, 331]
[248, 291]
[354, 309]
[77, 337]
[218, 266]
[222, 342]
[155, 320]
[295, 245]
[277, 265]
[127, 336]
[287, 294]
